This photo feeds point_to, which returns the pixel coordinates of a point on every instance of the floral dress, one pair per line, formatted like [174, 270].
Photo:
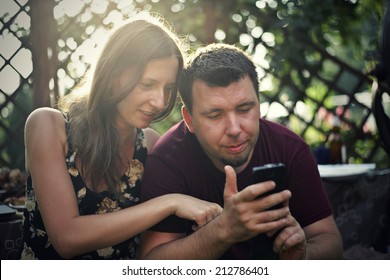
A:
[37, 245]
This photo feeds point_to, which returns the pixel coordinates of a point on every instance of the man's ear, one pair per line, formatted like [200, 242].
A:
[187, 118]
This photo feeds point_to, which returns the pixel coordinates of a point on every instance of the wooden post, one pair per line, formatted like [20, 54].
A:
[44, 52]
[210, 25]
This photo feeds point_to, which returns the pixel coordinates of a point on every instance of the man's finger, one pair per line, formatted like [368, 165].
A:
[231, 182]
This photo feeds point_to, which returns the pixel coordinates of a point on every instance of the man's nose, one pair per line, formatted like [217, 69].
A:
[233, 127]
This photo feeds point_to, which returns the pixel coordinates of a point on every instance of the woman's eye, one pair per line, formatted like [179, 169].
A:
[146, 85]
[167, 90]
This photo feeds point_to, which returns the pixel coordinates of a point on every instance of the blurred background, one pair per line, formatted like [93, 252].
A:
[324, 71]
[314, 60]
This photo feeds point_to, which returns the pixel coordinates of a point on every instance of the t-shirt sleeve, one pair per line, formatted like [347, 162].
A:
[162, 178]
[309, 199]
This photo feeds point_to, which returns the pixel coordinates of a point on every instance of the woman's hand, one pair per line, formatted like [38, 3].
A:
[194, 209]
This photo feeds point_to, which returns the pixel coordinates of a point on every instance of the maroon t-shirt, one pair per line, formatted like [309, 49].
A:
[177, 164]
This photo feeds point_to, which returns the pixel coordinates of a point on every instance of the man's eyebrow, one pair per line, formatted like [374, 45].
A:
[247, 103]
[216, 110]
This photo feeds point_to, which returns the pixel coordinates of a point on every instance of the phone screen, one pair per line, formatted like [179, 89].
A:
[271, 172]
[262, 244]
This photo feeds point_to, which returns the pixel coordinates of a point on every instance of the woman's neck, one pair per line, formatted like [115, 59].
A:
[127, 137]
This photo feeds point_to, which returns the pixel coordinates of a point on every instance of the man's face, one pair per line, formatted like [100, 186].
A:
[225, 121]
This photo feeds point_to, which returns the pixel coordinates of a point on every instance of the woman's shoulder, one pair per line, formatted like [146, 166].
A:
[44, 115]
[44, 129]
[151, 137]
[45, 119]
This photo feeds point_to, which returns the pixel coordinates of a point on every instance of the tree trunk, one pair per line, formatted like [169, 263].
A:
[210, 24]
[44, 53]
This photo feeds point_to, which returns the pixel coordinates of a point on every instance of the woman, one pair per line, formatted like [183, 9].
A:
[88, 159]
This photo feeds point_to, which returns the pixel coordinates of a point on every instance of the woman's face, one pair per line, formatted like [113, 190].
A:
[150, 95]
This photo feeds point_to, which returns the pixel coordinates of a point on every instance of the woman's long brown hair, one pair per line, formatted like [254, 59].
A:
[93, 133]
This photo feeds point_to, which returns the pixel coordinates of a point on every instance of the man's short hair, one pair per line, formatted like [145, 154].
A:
[217, 65]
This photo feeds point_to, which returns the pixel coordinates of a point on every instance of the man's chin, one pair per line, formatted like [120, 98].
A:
[235, 163]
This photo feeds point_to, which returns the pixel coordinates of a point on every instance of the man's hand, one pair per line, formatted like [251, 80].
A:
[245, 215]
[291, 241]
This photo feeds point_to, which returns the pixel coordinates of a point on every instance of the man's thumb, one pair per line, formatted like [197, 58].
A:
[230, 183]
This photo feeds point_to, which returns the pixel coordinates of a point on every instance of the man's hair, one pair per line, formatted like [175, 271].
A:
[216, 65]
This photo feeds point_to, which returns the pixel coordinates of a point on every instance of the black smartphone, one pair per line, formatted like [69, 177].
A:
[271, 172]
[262, 244]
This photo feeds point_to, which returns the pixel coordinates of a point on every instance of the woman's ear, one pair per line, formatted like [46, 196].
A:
[187, 118]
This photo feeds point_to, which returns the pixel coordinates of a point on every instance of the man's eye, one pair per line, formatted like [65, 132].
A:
[245, 109]
[213, 116]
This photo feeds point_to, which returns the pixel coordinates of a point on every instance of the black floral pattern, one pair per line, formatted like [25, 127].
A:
[37, 245]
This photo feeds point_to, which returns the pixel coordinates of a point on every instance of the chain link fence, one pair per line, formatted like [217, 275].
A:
[54, 43]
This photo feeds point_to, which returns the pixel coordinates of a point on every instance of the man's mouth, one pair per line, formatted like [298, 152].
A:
[235, 149]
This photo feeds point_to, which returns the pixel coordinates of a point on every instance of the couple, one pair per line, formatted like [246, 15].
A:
[90, 157]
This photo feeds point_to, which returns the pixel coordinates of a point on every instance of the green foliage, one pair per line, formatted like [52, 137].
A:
[298, 42]
[13, 151]
[173, 118]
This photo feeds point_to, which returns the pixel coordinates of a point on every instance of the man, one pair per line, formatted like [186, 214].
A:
[211, 155]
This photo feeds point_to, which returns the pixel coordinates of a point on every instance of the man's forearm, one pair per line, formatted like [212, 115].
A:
[325, 247]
